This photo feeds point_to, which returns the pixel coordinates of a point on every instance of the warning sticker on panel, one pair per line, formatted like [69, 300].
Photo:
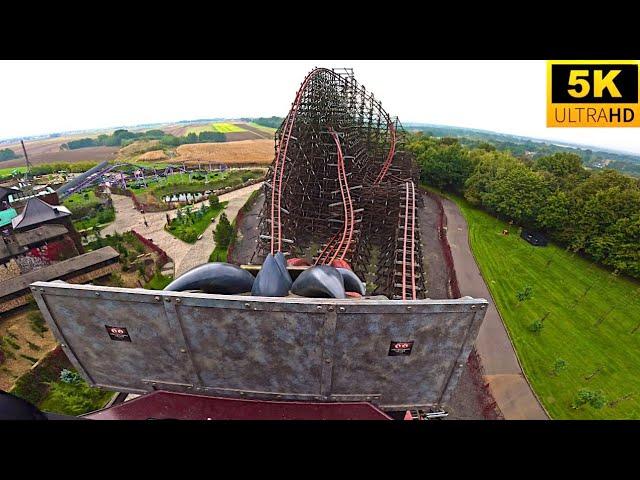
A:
[119, 334]
[400, 348]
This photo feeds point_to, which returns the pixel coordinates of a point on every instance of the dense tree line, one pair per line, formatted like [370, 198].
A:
[7, 154]
[593, 212]
[272, 122]
[118, 138]
[122, 138]
[529, 149]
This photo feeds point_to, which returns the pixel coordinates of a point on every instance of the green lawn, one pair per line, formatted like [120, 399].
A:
[158, 281]
[87, 211]
[8, 171]
[590, 320]
[81, 200]
[190, 226]
[219, 127]
[101, 219]
[263, 128]
[179, 183]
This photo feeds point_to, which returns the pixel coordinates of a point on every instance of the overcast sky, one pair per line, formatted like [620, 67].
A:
[39, 97]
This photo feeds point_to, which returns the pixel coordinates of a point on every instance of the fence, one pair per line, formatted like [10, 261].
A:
[452, 279]
[164, 258]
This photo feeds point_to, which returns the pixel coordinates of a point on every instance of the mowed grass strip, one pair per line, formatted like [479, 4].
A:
[262, 127]
[590, 318]
[220, 127]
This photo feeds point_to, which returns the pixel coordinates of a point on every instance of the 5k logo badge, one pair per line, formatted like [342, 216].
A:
[593, 93]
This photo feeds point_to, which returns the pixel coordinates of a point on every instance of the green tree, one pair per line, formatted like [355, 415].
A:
[224, 231]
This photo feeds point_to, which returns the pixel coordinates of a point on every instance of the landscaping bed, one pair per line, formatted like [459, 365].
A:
[89, 210]
[191, 222]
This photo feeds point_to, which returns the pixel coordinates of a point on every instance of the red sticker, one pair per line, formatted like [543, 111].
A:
[400, 348]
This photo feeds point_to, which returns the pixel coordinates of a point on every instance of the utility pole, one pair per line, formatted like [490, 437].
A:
[26, 159]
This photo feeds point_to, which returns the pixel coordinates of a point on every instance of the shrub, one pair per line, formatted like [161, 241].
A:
[31, 359]
[224, 231]
[525, 294]
[37, 323]
[536, 326]
[585, 396]
[12, 343]
[70, 377]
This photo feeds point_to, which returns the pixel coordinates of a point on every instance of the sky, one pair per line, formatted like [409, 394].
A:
[40, 97]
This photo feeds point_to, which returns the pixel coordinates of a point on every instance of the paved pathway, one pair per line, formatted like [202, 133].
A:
[502, 370]
[184, 255]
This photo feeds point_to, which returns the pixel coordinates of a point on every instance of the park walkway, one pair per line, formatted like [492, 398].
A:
[508, 385]
[184, 255]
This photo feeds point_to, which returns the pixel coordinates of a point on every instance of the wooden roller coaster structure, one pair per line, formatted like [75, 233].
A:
[341, 187]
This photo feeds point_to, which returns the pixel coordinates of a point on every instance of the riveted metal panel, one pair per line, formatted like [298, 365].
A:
[267, 348]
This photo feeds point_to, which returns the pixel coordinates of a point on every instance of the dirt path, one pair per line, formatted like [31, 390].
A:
[184, 255]
[434, 265]
[502, 370]
[248, 233]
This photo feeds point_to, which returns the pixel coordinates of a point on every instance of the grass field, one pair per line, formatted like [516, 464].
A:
[590, 318]
[82, 200]
[7, 171]
[221, 127]
[262, 127]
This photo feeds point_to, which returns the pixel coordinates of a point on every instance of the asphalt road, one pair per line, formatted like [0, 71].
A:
[508, 384]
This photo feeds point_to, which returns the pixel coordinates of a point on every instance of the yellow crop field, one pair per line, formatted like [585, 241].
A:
[230, 153]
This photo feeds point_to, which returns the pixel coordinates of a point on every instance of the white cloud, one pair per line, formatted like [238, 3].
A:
[505, 96]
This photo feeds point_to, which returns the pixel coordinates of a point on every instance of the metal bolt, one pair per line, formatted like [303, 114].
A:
[178, 300]
[42, 289]
[183, 350]
[63, 345]
[156, 298]
[97, 294]
[483, 306]
[330, 308]
[248, 305]
[328, 360]
[319, 307]
[408, 307]
[167, 299]
[473, 307]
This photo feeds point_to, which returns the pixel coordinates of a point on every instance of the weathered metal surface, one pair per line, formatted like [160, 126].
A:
[265, 348]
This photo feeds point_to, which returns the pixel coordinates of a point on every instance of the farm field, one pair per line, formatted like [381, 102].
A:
[588, 321]
[262, 127]
[231, 153]
[222, 127]
[91, 154]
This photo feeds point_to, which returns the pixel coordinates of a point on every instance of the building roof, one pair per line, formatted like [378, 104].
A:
[38, 191]
[6, 191]
[58, 270]
[7, 215]
[40, 234]
[37, 211]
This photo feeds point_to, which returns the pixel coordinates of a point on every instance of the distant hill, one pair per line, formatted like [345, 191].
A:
[592, 157]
